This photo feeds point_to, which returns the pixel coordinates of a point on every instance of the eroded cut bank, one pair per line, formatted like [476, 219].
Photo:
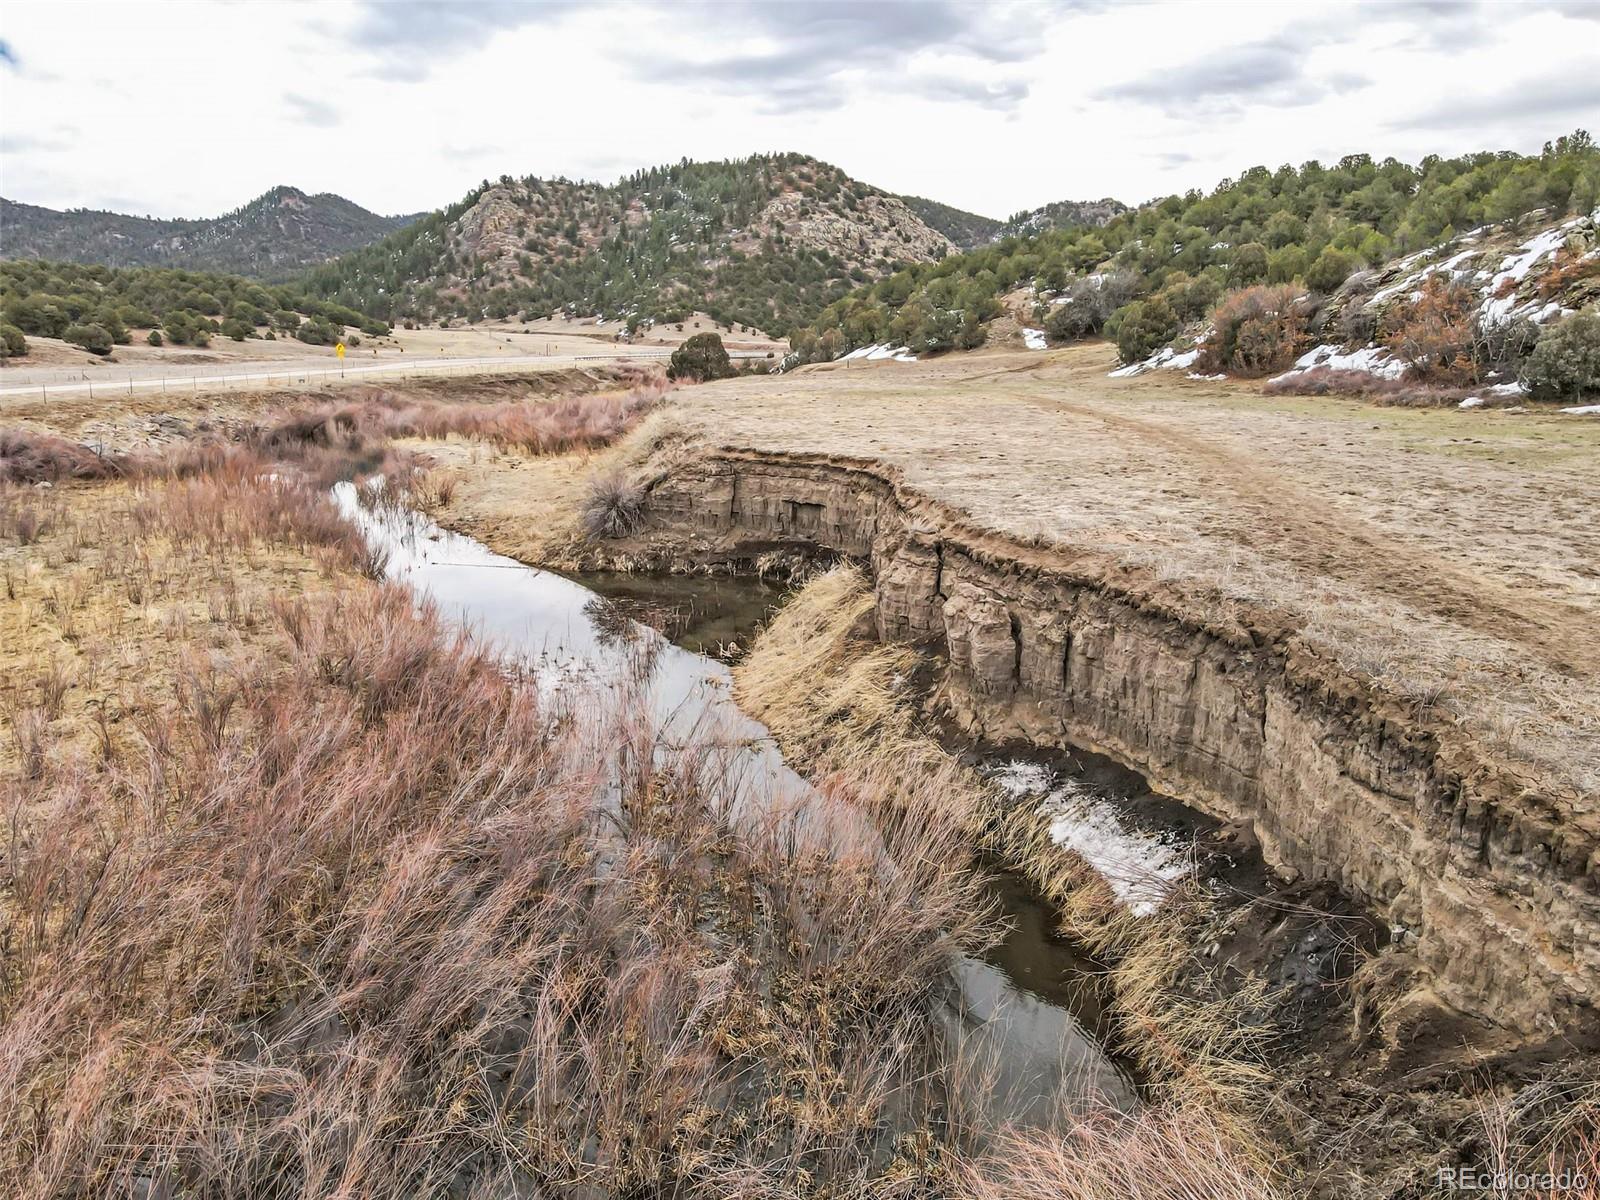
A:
[1490, 883]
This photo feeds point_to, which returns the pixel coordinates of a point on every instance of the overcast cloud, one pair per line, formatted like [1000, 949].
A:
[403, 105]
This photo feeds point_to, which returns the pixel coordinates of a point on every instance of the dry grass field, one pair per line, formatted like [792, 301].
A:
[51, 361]
[1452, 556]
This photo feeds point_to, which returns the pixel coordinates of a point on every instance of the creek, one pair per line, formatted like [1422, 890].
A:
[1031, 1006]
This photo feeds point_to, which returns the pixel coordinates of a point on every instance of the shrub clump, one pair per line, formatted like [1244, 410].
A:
[12, 343]
[1256, 331]
[1566, 362]
[700, 359]
[1087, 307]
[28, 457]
[1142, 328]
[93, 338]
[1434, 334]
[613, 507]
[1331, 268]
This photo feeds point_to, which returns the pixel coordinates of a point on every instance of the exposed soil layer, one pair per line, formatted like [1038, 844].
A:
[1489, 881]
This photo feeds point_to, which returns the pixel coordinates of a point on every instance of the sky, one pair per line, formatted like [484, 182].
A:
[193, 107]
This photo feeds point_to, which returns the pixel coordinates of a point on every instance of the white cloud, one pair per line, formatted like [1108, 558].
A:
[401, 106]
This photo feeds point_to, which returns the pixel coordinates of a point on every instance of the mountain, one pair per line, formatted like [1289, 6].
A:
[1063, 214]
[766, 241]
[272, 237]
[966, 230]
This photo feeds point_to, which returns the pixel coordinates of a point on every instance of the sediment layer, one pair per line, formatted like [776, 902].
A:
[1493, 880]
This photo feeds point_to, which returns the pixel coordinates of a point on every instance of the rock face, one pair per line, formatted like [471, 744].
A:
[1338, 782]
[880, 226]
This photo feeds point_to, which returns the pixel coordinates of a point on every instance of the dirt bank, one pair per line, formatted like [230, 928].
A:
[1488, 881]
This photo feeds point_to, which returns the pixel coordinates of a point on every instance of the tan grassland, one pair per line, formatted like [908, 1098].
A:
[1451, 556]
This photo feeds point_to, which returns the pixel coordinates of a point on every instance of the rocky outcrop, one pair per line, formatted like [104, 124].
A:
[875, 226]
[1496, 884]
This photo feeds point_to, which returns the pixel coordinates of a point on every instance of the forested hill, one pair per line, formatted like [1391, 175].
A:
[1312, 225]
[767, 241]
[274, 236]
[969, 231]
[1062, 214]
[966, 230]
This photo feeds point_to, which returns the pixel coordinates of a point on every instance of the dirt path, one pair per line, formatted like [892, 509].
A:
[1299, 528]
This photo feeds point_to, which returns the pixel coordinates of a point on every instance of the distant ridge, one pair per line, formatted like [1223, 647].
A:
[969, 231]
[274, 236]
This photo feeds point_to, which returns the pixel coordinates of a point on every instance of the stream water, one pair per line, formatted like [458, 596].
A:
[1030, 1007]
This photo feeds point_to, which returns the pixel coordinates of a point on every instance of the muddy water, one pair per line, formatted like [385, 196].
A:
[1030, 1008]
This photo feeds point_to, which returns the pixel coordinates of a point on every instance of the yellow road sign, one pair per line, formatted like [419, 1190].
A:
[339, 349]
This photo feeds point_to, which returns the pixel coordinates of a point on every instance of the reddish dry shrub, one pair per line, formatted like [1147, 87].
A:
[1434, 333]
[1325, 381]
[539, 426]
[1256, 331]
[27, 456]
[1569, 269]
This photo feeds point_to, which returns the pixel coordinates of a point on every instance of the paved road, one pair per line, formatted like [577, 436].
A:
[153, 379]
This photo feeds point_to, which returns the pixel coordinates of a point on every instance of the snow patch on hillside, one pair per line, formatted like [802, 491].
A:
[1164, 359]
[1033, 339]
[1374, 360]
[880, 352]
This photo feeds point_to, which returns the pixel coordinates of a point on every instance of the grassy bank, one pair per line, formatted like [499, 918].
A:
[303, 894]
[837, 702]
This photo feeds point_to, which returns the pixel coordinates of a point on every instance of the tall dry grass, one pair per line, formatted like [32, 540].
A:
[1174, 1153]
[344, 439]
[361, 924]
[838, 702]
[355, 914]
[535, 426]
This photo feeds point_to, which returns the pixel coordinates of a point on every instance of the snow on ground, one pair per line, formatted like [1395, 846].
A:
[1141, 867]
[1584, 410]
[880, 352]
[1514, 269]
[1374, 360]
[1166, 358]
[1033, 339]
[1506, 277]
[1471, 402]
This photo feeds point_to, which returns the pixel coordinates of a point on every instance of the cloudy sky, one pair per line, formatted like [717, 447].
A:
[192, 107]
